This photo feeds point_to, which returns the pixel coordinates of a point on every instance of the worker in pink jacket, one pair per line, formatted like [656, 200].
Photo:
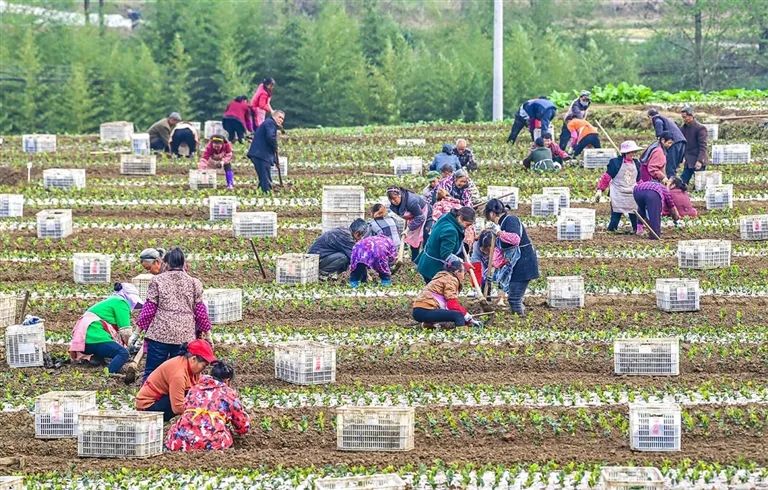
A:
[218, 154]
[653, 163]
[260, 103]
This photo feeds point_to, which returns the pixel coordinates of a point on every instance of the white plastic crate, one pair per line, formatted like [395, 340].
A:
[335, 220]
[197, 125]
[202, 179]
[282, 164]
[343, 199]
[654, 427]
[407, 166]
[120, 434]
[211, 128]
[142, 284]
[116, 131]
[411, 142]
[305, 362]
[598, 157]
[38, 143]
[389, 481]
[647, 357]
[631, 478]
[703, 254]
[64, 178]
[563, 192]
[496, 191]
[255, 224]
[713, 132]
[542, 205]
[140, 144]
[54, 223]
[138, 164]
[706, 178]
[374, 428]
[297, 268]
[480, 224]
[25, 345]
[575, 224]
[7, 309]
[754, 227]
[221, 208]
[719, 196]
[57, 413]
[11, 205]
[224, 305]
[565, 291]
[676, 295]
[88, 268]
[731, 154]
[12, 483]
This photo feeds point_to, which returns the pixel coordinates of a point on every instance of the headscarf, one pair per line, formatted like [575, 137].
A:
[129, 293]
[393, 191]
[453, 263]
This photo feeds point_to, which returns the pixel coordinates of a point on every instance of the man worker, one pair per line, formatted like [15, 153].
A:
[558, 154]
[464, 154]
[445, 157]
[335, 246]
[540, 158]
[160, 132]
[577, 110]
[263, 151]
[540, 114]
[695, 144]
[676, 152]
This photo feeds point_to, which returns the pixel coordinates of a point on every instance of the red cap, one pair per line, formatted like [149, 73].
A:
[203, 349]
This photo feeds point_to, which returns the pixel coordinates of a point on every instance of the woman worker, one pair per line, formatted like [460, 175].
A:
[460, 186]
[622, 174]
[417, 214]
[447, 238]
[652, 199]
[260, 103]
[375, 252]
[218, 154]
[152, 260]
[439, 301]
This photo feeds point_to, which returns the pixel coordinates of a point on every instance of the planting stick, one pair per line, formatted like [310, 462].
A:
[24, 306]
[607, 135]
[258, 260]
[473, 279]
[489, 270]
[483, 203]
[645, 223]
[280, 178]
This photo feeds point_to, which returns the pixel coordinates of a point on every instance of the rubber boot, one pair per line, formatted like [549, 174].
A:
[230, 176]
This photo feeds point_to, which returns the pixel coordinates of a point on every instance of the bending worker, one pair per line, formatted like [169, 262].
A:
[439, 301]
[417, 214]
[540, 113]
[375, 252]
[447, 238]
[160, 132]
[335, 247]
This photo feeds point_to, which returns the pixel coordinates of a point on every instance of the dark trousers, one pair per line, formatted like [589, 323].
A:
[675, 155]
[335, 263]
[590, 139]
[616, 219]
[263, 172]
[688, 173]
[515, 293]
[234, 129]
[424, 315]
[163, 405]
[649, 207]
[109, 350]
[158, 353]
[183, 136]
[565, 136]
[517, 126]
[157, 144]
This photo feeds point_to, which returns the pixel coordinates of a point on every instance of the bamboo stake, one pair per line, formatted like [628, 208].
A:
[258, 260]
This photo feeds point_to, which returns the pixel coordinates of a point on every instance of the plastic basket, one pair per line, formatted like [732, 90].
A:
[565, 291]
[374, 428]
[343, 199]
[754, 227]
[38, 143]
[297, 268]
[224, 305]
[511, 200]
[575, 224]
[719, 196]
[598, 157]
[140, 144]
[411, 142]
[57, 413]
[335, 220]
[407, 166]
[654, 427]
[116, 131]
[54, 223]
[705, 178]
[542, 205]
[211, 128]
[731, 154]
[305, 362]
[11, 205]
[713, 131]
[25, 345]
[563, 192]
[221, 208]
[703, 254]
[282, 165]
[90, 268]
[255, 224]
[64, 178]
[138, 164]
[202, 179]
[8, 304]
[677, 295]
[142, 284]
[630, 478]
[120, 434]
[12, 483]
[647, 357]
[368, 482]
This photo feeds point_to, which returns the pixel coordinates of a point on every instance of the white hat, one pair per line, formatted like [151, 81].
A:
[628, 146]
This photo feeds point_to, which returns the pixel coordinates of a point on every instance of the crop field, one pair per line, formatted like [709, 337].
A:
[528, 402]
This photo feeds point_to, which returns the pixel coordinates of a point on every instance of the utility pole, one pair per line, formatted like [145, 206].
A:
[498, 60]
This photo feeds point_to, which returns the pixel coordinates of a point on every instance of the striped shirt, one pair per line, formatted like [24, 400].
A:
[660, 189]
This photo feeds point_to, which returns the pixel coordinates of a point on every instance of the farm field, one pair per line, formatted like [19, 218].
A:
[527, 402]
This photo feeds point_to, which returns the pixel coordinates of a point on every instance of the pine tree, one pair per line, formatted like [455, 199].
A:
[79, 115]
[30, 68]
[232, 78]
[178, 93]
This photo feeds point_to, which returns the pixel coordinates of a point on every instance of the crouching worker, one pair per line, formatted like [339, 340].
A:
[375, 252]
[210, 408]
[335, 247]
[103, 331]
[218, 154]
[166, 387]
[439, 301]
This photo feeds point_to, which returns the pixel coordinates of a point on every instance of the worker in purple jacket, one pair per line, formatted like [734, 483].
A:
[676, 152]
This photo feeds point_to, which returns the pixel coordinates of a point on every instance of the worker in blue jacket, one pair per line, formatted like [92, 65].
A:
[537, 113]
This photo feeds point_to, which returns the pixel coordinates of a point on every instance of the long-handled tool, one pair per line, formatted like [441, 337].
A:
[645, 223]
[473, 280]
[279, 171]
[490, 269]
[483, 203]
[258, 260]
[607, 135]
[24, 304]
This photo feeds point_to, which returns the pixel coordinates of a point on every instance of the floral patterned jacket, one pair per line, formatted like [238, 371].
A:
[210, 408]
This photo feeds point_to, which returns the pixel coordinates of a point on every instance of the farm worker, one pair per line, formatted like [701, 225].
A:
[238, 119]
[540, 157]
[439, 301]
[335, 247]
[218, 154]
[160, 132]
[583, 135]
[577, 110]
[654, 159]
[540, 112]
[481, 251]
[676, 151]
[103, 331]
[260, 102]
[383, 224]
[460, 186]
[652, 197]
[417, 214]
[447, 238]
[679, 191]
[374, 252]
[173, 313]
[152, 260]
[514, 258]
[695, 145]
[184, 140]
[464, 154]
[443, 205]
[445, 157]
[521, 121]
[166, 387]
[263, 150]
[558, 155]
[430, 191]
[210, 408]
[622, 174]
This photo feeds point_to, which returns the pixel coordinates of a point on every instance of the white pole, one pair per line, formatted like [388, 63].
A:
[498, 60]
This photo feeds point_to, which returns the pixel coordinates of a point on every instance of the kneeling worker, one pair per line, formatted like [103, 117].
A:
[335, 247]
[439, 301]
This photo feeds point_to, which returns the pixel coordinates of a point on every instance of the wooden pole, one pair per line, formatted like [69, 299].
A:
[472, 278]
[607, 135]
[258, 260]
[489, 270]
[645, 223]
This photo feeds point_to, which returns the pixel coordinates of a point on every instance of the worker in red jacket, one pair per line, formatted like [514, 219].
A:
[238, 119]
[260, 103]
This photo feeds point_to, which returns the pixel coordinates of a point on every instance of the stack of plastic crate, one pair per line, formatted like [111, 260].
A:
[89, 268]
[282, 164]
[120, 434]
[7, 309]
[731, 154]
[389, 481]
[407, 166]
[13, 483]
[221, 208]
[140, 144]
[116, 131]
[38, 143]
[719, 196]
[297, 269]
[57, 413]
[598, 157]
[411, 142]
[54, 223]
[565, 291]
[631, 478]
[255, 224]
[374, 428]
[647, 357]
[305, 362]
[64, 178]
[703, 254]
[342, 204]
[138, 164]
[654, 427]
[702, 180]
[542, 205]
[202, 179]
[575, 224]
[11, 205]
[25, 345]
[754, 227]
[224, 305]
[142, 284]
[677, 294]
[511, 194]
[211, 128]
[713, 131]
[563, 192]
